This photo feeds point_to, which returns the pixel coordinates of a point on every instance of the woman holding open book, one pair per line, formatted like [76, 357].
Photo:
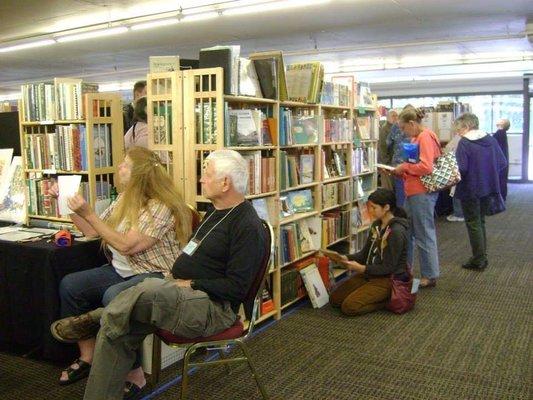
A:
[142, 231]
[420, 204]
[384, 253]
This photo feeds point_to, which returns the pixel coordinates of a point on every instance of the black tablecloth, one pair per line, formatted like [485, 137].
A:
[29, 300]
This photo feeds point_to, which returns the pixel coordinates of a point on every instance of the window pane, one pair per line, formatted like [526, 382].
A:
[482, 107]
[509, 106]
[420, 101]
[385, 103]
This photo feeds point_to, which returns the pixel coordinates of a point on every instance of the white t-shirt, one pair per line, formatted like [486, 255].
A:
[121, 263]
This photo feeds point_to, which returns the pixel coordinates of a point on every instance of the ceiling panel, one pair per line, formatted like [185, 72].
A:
[364, 28]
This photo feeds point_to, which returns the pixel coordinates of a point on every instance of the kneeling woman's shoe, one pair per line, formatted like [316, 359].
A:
[428, 282]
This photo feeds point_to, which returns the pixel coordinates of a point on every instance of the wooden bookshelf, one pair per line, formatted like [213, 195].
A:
[92, 147]
[200, 129]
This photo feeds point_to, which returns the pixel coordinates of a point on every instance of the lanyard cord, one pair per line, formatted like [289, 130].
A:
[207, 219]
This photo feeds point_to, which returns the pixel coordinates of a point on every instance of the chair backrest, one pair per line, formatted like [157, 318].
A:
[251, 302]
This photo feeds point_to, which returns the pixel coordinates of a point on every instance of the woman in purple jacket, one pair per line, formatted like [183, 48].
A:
[480, 161]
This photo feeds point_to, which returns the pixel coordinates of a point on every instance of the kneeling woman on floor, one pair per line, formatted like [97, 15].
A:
[384, 253]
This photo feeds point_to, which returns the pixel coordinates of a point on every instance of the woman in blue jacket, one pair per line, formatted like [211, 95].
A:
[480, 161]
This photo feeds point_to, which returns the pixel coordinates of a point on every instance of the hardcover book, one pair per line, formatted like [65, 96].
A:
[315, 286]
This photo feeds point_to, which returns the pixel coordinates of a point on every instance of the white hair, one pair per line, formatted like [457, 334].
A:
[229, 163]
[466, 121]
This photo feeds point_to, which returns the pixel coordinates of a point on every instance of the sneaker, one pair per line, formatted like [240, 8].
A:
[74, 329]
[453, 218]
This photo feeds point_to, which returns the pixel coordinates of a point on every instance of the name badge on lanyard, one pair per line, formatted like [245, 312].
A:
[191, 247]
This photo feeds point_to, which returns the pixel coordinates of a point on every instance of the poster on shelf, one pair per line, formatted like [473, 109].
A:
[12, 199]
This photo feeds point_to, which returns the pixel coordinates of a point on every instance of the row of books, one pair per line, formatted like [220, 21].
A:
[40, 202]
[298, 238]
[292, 286]
[248, 127]
[261, 172]
[360, 215]
[62, 99]
[363, 159]
[298, 129]
[335, 193]
[65, 149]
[338, 130]
[334, 163]
[367, 127]
[335, 225]
[362, 186]
[296, 168]
[304, 82]
[335, 94]
[162, 122]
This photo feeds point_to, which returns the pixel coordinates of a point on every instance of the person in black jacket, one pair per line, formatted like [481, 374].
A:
[500, 135]
[384, 253]
[209, 281]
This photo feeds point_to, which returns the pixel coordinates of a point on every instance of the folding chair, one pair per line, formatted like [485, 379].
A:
[234, 335]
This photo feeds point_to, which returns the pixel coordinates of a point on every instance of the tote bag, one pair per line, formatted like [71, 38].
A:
[445, 173]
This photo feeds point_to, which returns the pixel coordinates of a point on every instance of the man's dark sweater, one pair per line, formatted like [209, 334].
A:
[227, 260]
[385, 250]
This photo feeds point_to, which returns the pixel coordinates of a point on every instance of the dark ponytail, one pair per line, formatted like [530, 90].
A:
[382, 197]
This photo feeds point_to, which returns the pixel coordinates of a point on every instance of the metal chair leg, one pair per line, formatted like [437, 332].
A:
[222, 356]
[156, 361]
[185, 372]
[246, 352]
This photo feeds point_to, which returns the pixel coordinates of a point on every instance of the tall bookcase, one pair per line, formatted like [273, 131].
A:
[331, 159]
[64, 131]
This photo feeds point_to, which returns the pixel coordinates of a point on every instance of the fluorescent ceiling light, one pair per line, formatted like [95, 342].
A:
[10, 96]
[92, 34]
[272, 6]
[30, 45]
[200, 17]
[115, 86]
[451, 77]
[155, 24]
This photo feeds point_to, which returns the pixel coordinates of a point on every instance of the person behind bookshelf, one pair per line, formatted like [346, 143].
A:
[395, 141]
[139, 90]
[384, 150]
[209, 281]
[137, 135]
[419, 203]
[142, 232]
[384, 253]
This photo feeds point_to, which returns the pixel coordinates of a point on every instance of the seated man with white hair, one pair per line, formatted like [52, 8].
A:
[209, 281]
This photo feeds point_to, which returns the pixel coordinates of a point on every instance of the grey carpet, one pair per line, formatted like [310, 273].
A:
[469, 338]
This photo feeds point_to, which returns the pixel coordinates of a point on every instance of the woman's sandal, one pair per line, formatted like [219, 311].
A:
[75, 375]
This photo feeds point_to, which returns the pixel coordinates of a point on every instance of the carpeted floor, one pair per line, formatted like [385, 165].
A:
[469, 338]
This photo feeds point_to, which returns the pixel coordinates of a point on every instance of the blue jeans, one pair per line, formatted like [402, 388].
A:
[457, 208]
[84, 291]
[399, 191]
[421, 209]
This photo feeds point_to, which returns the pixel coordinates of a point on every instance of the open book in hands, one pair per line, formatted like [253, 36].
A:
[385, 167]
[334, 256]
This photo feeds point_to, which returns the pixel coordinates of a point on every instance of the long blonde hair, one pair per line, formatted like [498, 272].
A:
[150, 181]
